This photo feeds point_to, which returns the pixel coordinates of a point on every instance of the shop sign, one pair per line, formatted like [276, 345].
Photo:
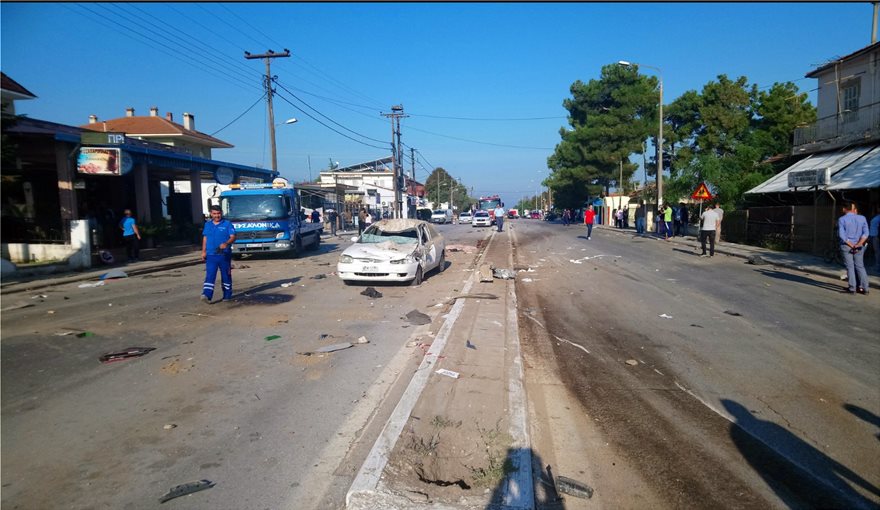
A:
[99, 161]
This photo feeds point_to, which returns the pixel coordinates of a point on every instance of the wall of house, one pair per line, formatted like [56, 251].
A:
[865, 70]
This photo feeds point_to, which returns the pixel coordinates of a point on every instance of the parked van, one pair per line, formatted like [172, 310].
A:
[442, 216]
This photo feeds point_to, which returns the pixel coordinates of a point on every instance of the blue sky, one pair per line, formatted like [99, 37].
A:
[351, 62]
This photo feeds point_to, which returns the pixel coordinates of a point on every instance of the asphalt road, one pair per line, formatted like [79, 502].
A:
[695, 382]
[215, 400]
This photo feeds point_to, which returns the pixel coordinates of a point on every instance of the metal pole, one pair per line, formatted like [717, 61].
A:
[874, 23]
[660, 148]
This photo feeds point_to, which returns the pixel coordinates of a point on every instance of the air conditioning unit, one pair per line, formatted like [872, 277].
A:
[809, 178]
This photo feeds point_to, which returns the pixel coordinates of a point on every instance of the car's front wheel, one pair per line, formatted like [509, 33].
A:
[418, 279]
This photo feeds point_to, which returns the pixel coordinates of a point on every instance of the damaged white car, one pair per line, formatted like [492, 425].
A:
[395, 250]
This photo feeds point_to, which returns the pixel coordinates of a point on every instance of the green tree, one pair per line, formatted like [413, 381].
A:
[609, 118]
[778, 112]
[440, 186]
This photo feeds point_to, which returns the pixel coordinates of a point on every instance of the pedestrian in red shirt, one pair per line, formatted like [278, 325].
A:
[589, 216]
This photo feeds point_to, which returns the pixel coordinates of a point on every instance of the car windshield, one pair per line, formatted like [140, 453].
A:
[253, 207]
[440, 212]
[374, 235]
[481, 214]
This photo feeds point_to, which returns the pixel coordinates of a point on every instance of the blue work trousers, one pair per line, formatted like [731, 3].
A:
[500, 223]
[222, 262]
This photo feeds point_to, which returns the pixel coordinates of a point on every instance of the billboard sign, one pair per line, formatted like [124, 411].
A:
[99, 161]
[809, 178]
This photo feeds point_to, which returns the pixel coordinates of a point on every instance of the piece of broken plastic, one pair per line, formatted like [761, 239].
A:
[84, 334]
[90, 284]
[272, 337]
[334, 347]
[187, 488]
[504, 274]
[448, 373]
[114, 273]
[131, 352]
[574, 488]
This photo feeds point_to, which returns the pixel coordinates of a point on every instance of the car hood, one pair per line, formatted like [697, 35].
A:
[381, 251]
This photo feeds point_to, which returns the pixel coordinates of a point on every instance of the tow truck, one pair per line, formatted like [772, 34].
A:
[267, 219]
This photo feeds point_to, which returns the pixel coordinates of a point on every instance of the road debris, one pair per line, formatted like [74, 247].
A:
[319, 277]
[664, 316]
[371, 292]
[90, 285]
[287, 284]
[17, 306]
[527, 280]
[504, 274]
[66, 332]
[731, 312]
[114, 274]
[485, 273]
[329, 348]
[461, 247]
[696, 326]
[448, 373]
[185, 489]
[417, 318]
[574, 488]
[632, 362]
[362, 340]
[85, 334]
[170, 426]
[272, 337]
[131, 352]
[756, 260]
[39, 296]
[469, 345]
[196, 314]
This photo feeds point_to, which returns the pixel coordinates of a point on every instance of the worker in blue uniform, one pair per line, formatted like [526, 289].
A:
[217, 238]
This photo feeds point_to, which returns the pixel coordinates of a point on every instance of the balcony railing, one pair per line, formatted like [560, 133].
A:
[862, 125]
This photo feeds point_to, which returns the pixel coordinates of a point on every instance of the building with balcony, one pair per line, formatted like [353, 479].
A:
[371, 184]
[838, 160]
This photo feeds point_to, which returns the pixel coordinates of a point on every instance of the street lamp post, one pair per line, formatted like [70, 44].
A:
[659, 131]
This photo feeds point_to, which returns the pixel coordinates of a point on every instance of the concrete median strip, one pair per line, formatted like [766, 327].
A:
[370, 489]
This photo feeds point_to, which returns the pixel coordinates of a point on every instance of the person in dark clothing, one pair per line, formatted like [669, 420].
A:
[332, 217]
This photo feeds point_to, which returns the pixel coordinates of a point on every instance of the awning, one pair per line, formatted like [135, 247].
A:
[862, 174]
[842, 165]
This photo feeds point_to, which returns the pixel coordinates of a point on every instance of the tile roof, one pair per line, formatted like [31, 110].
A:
[7, 83]
[152, 127]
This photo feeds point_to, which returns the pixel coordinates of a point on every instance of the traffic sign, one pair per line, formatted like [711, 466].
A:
[702, 193]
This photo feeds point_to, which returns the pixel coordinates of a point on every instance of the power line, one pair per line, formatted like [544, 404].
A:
[307, 114]
[326, 117]
[499, 119]
[479, 142]
[240, 116]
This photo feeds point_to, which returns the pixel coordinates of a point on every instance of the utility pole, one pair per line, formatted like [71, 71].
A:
[267, 82]
[396, 153]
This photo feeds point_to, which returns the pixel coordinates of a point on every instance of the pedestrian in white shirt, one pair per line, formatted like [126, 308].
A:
[710, 224]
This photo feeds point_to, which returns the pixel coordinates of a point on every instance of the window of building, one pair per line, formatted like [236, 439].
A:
[851, 90]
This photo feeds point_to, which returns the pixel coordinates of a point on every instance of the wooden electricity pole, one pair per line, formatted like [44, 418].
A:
[267, 81]
[396, 153]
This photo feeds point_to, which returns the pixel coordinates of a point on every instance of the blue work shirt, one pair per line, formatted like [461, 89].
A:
[852, 227]
[874, 227]
[217, 234]
[127, 226]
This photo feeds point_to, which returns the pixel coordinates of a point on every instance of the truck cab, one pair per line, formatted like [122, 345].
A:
[267, 219]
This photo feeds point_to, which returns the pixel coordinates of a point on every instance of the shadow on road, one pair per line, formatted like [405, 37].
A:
[800, 474]
[260, 295]
[865, 415]
[772, 273]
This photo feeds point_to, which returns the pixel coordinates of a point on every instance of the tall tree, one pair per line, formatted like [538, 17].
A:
[609, 118]
[778, 112]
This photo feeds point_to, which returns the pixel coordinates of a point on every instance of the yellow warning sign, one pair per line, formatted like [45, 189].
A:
[702, 193]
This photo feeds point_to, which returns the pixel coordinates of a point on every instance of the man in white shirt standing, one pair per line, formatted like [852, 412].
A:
[710, 224]
[499, 217]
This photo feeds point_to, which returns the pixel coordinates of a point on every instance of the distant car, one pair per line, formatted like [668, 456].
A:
[441, 216]
[465, 217]
[394, 250]
[535, 215]
[511, 215]
[481, 219]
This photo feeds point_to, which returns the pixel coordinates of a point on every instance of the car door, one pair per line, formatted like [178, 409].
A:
[428, 248]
